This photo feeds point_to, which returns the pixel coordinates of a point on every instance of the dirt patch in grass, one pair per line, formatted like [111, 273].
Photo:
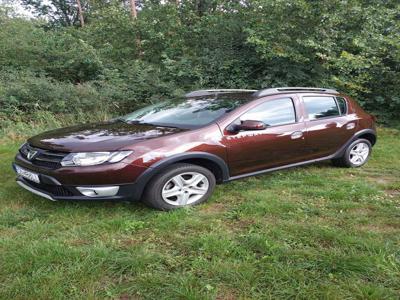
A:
[380, 228]
[382, 180]
[130, 242]
[9, 232]
[225, 293]
[13, 205]
[241, 224]
[393, 193]
[244, 224]
[128, 297]
[213, 208]
[362, 211]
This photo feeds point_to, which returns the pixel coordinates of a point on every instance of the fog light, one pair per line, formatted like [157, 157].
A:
[104, 191]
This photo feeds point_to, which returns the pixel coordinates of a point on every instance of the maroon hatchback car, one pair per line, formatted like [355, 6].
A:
[172, 154]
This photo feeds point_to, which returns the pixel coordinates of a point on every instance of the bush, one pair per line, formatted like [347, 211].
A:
[115, 63]
[26, 91]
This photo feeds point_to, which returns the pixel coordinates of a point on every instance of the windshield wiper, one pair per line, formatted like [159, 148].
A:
[120, 120]
[139, 122]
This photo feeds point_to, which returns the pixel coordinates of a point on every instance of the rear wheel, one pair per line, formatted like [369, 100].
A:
[179, 185]
[356, 154]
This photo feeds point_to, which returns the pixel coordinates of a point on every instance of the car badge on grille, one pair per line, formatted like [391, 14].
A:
[31, 154]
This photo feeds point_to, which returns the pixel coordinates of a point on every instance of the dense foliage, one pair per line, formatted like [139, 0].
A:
[116, 62]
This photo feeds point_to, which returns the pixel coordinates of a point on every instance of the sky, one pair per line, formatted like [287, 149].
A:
[19, 9]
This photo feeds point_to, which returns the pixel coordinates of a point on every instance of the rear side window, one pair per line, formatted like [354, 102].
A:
[342, 105]
[320, 107]
[273, 112]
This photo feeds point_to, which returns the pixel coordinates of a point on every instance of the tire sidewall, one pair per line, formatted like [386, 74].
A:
[347, 153]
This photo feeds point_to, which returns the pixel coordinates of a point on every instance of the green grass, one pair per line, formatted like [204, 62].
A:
[316, 232]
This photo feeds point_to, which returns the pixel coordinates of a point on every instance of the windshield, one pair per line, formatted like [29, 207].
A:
[184, 113]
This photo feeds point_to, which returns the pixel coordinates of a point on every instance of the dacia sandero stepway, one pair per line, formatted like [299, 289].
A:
[172, 154]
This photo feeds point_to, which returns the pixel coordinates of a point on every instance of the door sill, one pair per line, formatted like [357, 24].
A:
[279, 168]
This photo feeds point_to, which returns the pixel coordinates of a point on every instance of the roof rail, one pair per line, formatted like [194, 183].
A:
[216, 91]
[271, 91]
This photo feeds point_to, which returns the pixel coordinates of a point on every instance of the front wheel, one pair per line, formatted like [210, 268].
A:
[356, 154]
[179, 185]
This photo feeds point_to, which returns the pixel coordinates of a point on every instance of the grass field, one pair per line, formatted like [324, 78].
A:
[315, 232]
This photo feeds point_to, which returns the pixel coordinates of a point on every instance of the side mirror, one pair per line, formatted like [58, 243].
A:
[250, 125]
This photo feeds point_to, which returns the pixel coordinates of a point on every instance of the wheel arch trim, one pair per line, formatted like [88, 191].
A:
[357, 135]
[154, 169]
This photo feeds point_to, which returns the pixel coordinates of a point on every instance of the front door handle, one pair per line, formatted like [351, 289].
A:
[296, 135]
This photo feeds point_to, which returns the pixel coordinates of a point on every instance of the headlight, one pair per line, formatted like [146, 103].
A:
[94, 158]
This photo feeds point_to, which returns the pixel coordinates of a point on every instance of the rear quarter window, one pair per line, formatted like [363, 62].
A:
[342, 103]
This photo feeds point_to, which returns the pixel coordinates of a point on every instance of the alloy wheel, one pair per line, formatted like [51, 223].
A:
[359, 154]
[185, 188]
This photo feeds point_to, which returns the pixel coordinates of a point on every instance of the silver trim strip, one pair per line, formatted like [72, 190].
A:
[102, 191]
[35, 191]
[294, 90]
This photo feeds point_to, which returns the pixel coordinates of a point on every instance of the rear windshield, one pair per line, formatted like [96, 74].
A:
[185, 113]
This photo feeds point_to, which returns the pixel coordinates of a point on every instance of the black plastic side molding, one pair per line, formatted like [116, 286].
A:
[144, 178]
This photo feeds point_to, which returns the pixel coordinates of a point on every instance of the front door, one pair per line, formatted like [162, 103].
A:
[282, 142]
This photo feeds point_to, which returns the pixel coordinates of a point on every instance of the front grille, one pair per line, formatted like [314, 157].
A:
[43, 158]
[54, 190]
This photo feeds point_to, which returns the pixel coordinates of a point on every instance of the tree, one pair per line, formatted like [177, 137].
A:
[80, 13]
[58, 12]
[349, 45]
[133, 9]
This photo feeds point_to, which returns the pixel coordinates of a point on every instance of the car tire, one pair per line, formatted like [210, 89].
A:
[179, 185]
[356, 154]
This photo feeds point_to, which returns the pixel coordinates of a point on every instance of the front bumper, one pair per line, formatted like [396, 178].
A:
[107, 174]
[52, 189]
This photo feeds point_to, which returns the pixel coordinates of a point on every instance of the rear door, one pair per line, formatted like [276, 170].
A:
[281, 143]
[328, 125]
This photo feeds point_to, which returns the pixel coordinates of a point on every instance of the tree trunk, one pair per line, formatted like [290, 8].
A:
[134, 16]
[133, 9]
[80, 13]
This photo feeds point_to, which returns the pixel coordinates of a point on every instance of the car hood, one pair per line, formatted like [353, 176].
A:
[107, 136]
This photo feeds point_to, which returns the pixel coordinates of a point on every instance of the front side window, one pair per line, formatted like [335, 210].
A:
[320, 107]
[273, 112]
[342, 105]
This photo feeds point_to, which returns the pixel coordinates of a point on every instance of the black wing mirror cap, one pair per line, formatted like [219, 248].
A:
[247, 125]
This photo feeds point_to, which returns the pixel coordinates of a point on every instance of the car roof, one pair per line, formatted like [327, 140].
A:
[258, 93]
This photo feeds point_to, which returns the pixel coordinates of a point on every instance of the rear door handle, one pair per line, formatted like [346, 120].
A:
[296, 135]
